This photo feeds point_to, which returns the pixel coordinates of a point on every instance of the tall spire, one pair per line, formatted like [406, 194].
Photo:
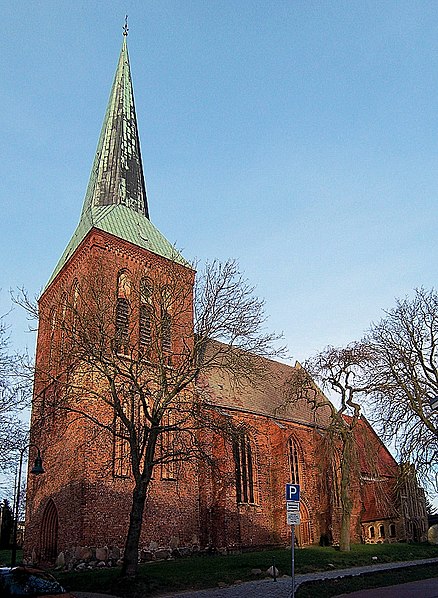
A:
[117, 173]
[115, 201]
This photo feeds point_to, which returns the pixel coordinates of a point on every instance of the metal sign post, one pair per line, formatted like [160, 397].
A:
[293, 561]
[293, 519]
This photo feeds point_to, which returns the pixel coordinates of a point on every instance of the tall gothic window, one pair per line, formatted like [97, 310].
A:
[144, 333]
[244, 464]
[168, 465]
[294, 462]
[166, 321]
[122, 465]
[166, 333]
[122, 312]
[63, 322]
[131, 408]
[52, 319]
[75, 301]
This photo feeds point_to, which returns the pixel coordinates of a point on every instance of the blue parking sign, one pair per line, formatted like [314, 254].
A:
[292, 492]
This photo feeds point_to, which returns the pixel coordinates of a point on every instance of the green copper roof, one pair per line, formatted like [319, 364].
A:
[117, 173]
[116, 200]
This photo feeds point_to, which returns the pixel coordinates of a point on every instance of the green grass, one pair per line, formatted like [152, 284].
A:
[334, 587]
[205, 572]
[5, 557]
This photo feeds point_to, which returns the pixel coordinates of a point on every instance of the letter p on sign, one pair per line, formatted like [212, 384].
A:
[292, 492]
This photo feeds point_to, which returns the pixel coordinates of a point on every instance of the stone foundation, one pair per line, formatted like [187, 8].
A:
[90, 557]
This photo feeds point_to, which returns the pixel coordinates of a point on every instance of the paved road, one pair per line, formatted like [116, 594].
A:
[268, 588]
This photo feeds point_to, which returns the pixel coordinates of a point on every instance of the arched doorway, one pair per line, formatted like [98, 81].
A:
[303, 532]
[49, 533]
[416, 536]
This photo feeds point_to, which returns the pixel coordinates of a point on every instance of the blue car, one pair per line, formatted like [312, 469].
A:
[27, 582]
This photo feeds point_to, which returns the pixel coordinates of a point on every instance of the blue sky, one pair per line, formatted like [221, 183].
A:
[299, 137]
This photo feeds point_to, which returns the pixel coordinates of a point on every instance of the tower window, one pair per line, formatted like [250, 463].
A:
[168, 465]
[243, 460]
[52, 334]
[130, 407]
[145, 337]
[122, 324]
[146, 289]
[166, 333]
[122, 464]
[371, 531]
[294, 462]
[122, 312]
[144, 333]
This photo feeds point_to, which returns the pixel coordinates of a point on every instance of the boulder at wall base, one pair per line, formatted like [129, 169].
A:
[83, 553]
[174, 542]
[101, 554]
[114, 553]
[162, 554]
[60, 561]
[272, 571]
[432, 534]
[146, 556]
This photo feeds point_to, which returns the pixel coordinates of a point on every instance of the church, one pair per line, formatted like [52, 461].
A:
[79, 510]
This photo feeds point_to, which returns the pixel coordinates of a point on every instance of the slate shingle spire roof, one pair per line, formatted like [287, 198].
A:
[117, 173]
[116, 200]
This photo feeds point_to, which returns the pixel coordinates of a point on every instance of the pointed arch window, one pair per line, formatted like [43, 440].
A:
[166, 333]
[294, 461]
[63, 323]
[166, 320]
[122, 464]
[52, 320]
[130, 406]
[168, 448]
[145, 334]
[122, 312]
[74, 305]
[244, 466]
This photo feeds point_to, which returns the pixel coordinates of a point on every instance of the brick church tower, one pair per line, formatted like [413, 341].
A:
[114, 259]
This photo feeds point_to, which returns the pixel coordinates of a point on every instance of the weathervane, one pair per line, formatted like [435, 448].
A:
[125, 26]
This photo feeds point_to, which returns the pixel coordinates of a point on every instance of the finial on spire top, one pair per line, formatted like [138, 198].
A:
[125, 26]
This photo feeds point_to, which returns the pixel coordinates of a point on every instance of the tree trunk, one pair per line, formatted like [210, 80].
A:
[130, 557]
[344, 539]
[346, 502]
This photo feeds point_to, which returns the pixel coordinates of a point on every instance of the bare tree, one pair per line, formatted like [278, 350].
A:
[339, 371]
[127, 354]
[403, 376]
[14, 397]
